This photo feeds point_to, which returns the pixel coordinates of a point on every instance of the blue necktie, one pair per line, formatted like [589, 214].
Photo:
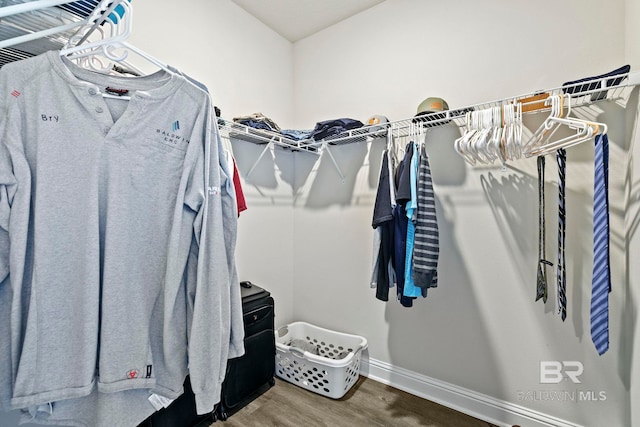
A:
[601, 282]
[561, 156]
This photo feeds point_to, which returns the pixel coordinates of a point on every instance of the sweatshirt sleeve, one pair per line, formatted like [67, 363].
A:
[209, 334]
[8, 187]
[230, 225]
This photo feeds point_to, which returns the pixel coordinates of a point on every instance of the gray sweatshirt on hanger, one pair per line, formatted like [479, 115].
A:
[108, 203]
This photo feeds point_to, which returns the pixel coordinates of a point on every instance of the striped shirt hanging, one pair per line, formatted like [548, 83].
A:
[426, 247]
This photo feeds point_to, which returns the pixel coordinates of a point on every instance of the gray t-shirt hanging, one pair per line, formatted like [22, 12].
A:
[108, 200]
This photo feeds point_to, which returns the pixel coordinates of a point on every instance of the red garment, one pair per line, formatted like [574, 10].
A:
[240, 201]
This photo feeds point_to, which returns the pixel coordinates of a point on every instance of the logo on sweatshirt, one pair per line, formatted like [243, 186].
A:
[173, 137]
[133, 374]
[15, 93]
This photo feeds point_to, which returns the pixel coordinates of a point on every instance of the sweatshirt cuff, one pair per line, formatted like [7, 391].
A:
[206, 401]
[236, 349]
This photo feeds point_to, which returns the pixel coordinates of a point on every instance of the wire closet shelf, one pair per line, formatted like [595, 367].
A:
[613, 88]
[29, 28]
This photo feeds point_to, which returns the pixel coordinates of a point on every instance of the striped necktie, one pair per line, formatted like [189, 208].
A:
[561, 156]
[541, 283]
[601, 281]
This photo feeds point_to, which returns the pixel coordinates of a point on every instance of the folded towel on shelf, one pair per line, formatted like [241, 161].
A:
[296, 135]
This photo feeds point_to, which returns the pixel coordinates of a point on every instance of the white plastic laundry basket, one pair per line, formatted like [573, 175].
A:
[332, 371]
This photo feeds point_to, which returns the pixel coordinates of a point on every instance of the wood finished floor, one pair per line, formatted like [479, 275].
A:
[368, 403]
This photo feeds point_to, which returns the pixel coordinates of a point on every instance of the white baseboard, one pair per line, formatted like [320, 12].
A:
[478, 405]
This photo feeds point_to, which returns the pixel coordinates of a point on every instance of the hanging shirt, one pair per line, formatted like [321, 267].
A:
[426, 247]
[403, 192]
[377, 237]
[400, 249]
[383, 219]
[410, 290]
[112, 205]
[403, 195]
[241, 203]
[377, 242]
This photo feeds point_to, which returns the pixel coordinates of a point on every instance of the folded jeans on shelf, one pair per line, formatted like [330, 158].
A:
[258, 119]
[328, 128]
[256, 124]
[296, 135]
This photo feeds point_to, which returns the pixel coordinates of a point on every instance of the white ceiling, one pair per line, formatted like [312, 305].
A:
[297, 19]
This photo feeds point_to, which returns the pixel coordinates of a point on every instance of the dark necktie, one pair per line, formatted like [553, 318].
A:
[541, 288]
[601, 281]
[561, 156]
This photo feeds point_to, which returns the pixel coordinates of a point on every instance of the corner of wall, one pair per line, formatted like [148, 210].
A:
[632, 240]
[632, 184]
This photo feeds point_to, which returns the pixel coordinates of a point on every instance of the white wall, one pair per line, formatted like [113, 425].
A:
[632, 188]
[248, 68]
[481, 329]
[632, 39]
[632, 54]
[389, 58]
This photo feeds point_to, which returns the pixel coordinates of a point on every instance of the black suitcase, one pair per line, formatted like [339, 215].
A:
[246, 378]
[181, 412]
[251, 375]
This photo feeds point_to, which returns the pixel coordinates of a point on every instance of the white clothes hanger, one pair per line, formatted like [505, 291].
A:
[112, 46]
[110, 30]
[585, 130]
[492, 134]
[390, 138]
[548, 128]
[460, 143]
[476, 144]
[514, 138]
